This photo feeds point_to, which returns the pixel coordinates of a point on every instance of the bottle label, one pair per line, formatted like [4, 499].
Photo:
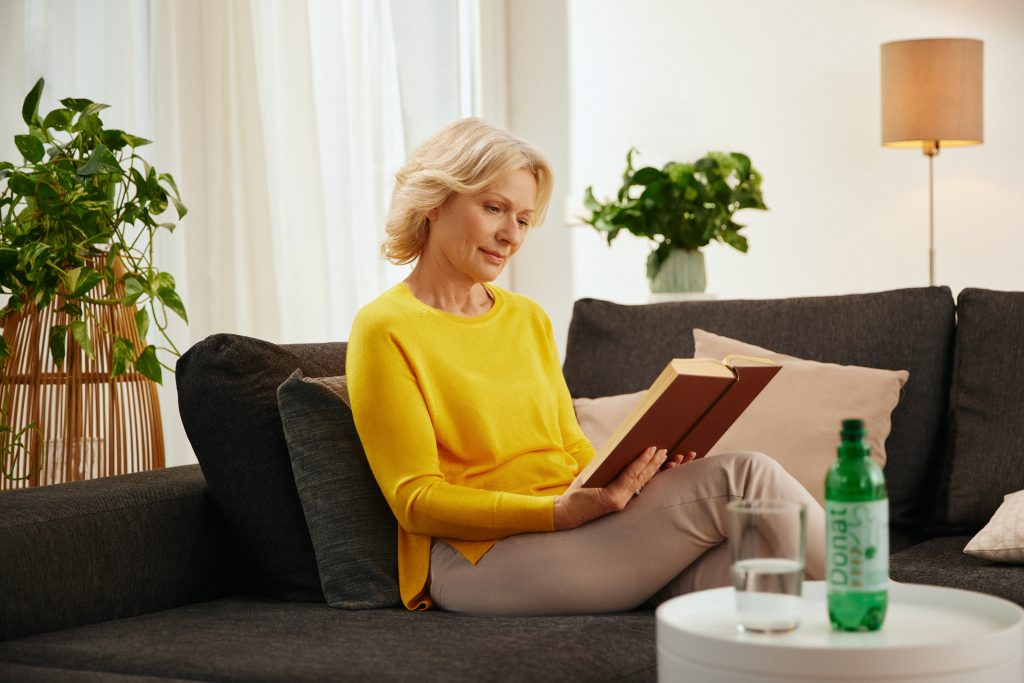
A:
[857, 546]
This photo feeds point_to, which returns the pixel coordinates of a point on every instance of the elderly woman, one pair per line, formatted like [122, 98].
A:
[469, 428]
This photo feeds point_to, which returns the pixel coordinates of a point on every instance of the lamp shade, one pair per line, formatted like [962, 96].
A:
[932, 92]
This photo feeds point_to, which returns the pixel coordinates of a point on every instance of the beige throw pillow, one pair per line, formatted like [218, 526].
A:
[598, 417]
[796, 419]
[1002, 539]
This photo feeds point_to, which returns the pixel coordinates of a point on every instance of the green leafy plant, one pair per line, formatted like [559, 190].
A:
[681, 205]
[81, 196]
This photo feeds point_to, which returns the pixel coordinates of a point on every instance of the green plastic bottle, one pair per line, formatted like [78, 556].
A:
[856, 536]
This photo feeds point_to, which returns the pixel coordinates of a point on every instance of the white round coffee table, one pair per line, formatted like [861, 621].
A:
[931, 635]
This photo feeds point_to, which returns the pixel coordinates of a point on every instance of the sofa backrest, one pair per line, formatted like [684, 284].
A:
[986, 454]
[615, 349]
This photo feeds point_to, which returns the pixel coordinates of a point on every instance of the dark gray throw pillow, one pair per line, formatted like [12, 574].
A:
[354, 533]
[227, 397]
[986, 460]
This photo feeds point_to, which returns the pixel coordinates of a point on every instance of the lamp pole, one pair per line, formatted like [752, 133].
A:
[930, 149]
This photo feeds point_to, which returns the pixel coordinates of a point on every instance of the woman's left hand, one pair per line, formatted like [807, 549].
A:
[678, 459]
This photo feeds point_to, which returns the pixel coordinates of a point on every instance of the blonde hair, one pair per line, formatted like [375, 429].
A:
[465, 157]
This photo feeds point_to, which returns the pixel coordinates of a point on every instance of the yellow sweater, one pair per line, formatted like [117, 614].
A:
[467, 424]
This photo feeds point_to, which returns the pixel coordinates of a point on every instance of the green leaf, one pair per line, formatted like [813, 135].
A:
[30, 147]
[122, 356]
[8, 259]
[80, 331]
[81, 280]
[71, 309]
[95, 108]
[58, 343]
[133, 289]
[5, 351]
[142, 323]
[175, 195]
[135, 141]
[30, 108]
[75, 104]
[736, 241]
[647, 175]
[21, 184]
[163, 280]
[58, 119]
[114, 139]
[88, 123]
[101, 162]
[169, 298]
[148, 365]
[6, 165]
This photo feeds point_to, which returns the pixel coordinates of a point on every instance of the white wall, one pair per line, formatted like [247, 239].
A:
[795, 85]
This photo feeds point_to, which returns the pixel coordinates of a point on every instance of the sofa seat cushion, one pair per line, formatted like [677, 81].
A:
[252, 639]
[617, 349]
[942, 562]
[27, 673]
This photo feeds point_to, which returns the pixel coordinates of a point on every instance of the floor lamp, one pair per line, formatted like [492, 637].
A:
[932, 98]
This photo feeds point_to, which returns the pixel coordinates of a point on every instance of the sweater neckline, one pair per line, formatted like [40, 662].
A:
[496, 295]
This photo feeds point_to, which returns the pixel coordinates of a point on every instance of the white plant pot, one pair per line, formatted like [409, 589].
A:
[682, 271]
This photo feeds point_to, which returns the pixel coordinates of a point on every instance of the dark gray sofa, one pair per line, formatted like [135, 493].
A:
[209, 573]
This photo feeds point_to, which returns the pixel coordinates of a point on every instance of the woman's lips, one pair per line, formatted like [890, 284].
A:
[493, 256]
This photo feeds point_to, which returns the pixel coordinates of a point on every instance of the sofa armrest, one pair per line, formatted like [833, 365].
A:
[103, 549]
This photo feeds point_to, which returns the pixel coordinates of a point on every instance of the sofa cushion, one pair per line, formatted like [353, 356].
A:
[87, 551]
[258, 639]
[908, 329]
[227, 397]
[1002, 539]
[796, 419]
[986, 460]
[353, 531]
[942, 562]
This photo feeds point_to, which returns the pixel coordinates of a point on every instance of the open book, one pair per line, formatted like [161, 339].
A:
[691, 404]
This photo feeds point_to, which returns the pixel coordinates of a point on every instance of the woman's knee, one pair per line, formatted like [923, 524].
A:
[750, 460]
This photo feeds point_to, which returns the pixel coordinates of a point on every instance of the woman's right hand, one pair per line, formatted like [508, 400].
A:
[580, 505]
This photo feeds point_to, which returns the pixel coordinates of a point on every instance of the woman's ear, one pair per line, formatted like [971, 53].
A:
[432, 213]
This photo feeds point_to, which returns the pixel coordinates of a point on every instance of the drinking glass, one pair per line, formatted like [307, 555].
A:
[767, 538]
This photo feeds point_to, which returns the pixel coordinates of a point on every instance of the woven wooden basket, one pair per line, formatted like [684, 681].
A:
[88, 424]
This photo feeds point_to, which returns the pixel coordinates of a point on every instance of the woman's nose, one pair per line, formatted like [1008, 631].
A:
[511, 232]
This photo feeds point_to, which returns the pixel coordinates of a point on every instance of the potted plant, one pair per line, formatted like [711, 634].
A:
[681, 208]
[78, 215]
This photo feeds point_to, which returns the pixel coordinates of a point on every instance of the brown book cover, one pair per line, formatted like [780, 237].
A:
[691, 404]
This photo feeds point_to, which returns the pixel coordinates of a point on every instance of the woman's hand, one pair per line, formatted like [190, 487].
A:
[579, 505]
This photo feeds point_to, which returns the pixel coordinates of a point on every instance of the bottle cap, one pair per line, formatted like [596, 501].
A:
[852, 429]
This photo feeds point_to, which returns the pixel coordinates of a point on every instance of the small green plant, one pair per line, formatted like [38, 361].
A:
[680, 206]
[81, 196]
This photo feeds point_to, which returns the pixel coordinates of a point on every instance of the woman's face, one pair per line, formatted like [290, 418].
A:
[472, 236]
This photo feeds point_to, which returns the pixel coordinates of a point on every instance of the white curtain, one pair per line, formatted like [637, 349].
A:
[282, 123]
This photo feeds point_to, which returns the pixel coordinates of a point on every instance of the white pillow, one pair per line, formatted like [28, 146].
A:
[1002, 539]
[797, 418]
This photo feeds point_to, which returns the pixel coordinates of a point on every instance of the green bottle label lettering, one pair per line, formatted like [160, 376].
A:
[857, 552]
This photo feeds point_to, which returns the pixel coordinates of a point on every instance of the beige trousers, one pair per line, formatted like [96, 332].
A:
[670, 540]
